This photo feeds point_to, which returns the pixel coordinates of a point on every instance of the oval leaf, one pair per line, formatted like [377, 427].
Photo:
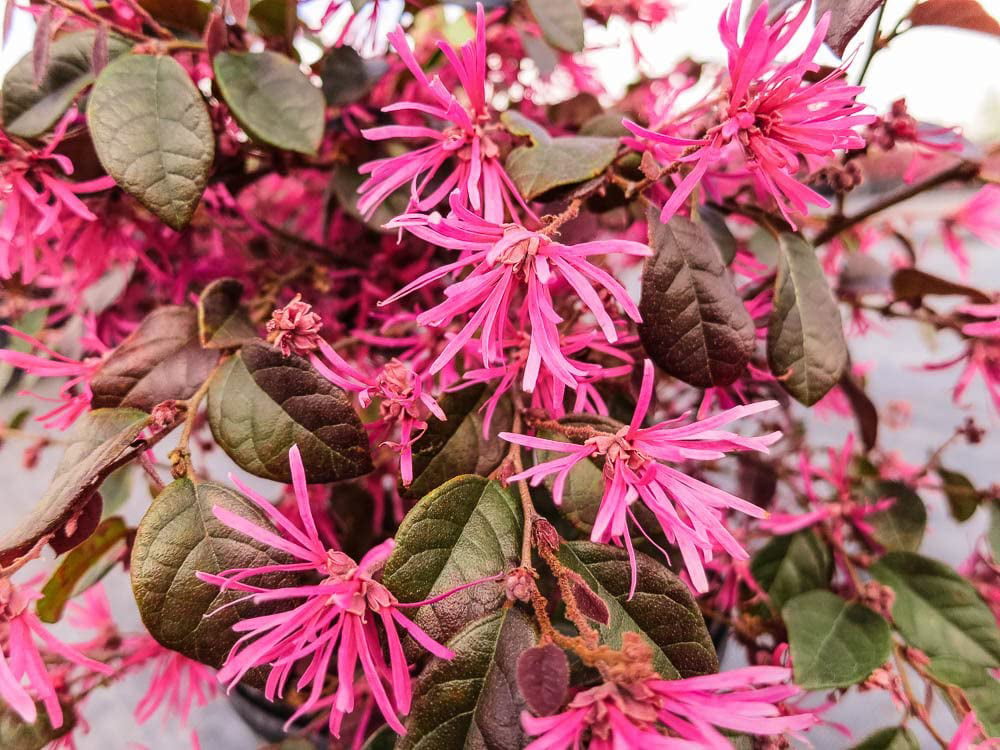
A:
[473, 701]
[901, 525]
[963, 497]
[805, 338]
[555, 162]
[161, 359]
[834, 643]
[891, 738]
[30, 109]
[261, 403]
[180, 536]
[457, 446]
[347, 76]
[223, 322]
[466, 529]
[15, 734]
[959, 14]
[694, 324]
[543, 678]
[846, 19]
[663, 611]
[102, 441]
[938, 611]
[791, 565]
[561, 22]
[152, 134]
[272, 99]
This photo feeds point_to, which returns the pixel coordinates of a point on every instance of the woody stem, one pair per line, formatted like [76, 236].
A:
[180, 457]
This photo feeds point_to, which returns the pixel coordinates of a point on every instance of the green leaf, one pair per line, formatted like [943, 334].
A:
[561, 22]
[189, 15]
[161, 359]
[31, 109]
[273, 101]
[472, 701]
[457, 446]
[383, 739]
[344, 184]
[223, 322]
[834, 643]
[900, 526]
[981, 689]
[180, 536]
[554, 162]
[102, 441]
[31, 323]
[662, 611]
[83, 567]
[466, 529]
[261, 403]
[791, 565]
[938, 611]
[993, 533]
[963, 497]
[805, 338]
[153, 134]
[890, 738]
[719, 230]
[15, 734]
[694, 324]
[348, 77]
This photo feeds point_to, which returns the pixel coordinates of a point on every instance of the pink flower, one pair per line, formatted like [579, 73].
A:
[74, 394]
[772, 117]
[969, 734]
[989, 328]
[669, 714]
[177, 683]
[514, 267]
[689, 511]
[928, 141]
[979, 217]
[466, 146]
[295, 328]
[345, 616]
[21, 658]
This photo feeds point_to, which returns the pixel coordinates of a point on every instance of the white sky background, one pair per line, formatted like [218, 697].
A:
[948, 76]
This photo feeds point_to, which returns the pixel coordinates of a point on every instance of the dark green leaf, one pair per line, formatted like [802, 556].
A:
[963, 497]
[900, 526]
[30, 109]
[561, 22]
[102, 441]
[273, 101]
[805, 338]
[938, 611]
[981, 689]
[180, 536]
[912, 284]
[347, 76]
[457, 446]
[261, 403]
[161, 359]
[554, 162]
[834, 643]
[694, 324]
[383, 739]
[344, 185]
[663, 611]
[716, 225]
[83, 567]
[223, 322]
[791, 565]
[466, 529]
[153, 134]
[189, 15]
[16, 735]
[891, 738]
[472, 701]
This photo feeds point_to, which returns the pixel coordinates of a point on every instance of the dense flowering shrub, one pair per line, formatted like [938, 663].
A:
[534, 373]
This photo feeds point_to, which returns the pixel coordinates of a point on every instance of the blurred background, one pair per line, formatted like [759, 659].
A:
[948, 77]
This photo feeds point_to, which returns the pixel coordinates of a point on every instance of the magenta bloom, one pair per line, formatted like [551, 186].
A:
[979, 217]
[74, 393]
[21, 658]
[462, 157]
[514, 267]
[772, 117]
[670, 714]
[689, 511]
[344, 616]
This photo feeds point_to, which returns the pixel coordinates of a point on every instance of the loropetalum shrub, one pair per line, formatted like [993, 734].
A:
[533, 370]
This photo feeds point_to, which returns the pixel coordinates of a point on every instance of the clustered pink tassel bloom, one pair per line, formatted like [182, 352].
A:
[403, 400]
[772, 118]
[979, 217]
[689, 511]
[982, 355]
[477, 172]
[639, 714]
[21, 657]
[513, 266]
[339, 617]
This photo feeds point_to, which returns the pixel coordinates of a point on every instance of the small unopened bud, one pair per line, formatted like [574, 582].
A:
[165, 414]
[879, 597]
[544, 535]
[518, 585]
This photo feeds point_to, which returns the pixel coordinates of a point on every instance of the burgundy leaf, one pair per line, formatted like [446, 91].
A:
[215, 34]
[43, 40]
[543, 678]
[959, 14]
[590, 604]
[99, 57]
[846, 19]
[241, 11]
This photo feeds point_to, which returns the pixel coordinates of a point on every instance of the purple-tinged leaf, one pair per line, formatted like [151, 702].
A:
[241, 12]
[99, 56]
[590, 604]
[41, 51]
[959, 14]
[214, 35]
[846, 19]
[543, 678]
